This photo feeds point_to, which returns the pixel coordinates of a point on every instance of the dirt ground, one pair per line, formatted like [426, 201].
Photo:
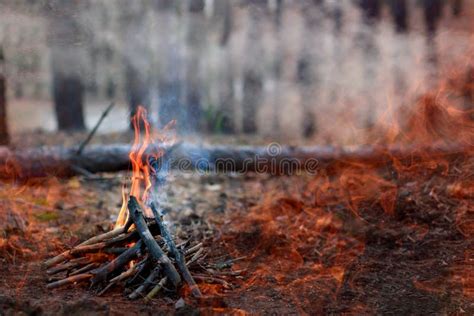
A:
[348, 241]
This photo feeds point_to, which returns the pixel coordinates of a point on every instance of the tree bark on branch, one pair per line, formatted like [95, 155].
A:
[64, 162]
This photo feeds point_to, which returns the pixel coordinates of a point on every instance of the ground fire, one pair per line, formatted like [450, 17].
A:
[360, 232]
[236, 157]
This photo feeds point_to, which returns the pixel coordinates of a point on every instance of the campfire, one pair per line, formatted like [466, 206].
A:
[237, 157]
[140, 251]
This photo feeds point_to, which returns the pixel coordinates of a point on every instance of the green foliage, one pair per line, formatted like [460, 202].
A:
[214, 119]
[47, 216]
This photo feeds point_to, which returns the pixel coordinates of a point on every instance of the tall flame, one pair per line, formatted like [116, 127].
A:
[144, 147]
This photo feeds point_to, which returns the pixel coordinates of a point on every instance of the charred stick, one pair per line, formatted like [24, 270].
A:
[145, 285]
[105, 289]
[227, 263]
[58, 259]
[196, 256]
[115, 251]
[226, 273]
[193, 249]
[123, 238]
[96, 239]
[54, 279]
[87, 248]
[110, 234]
[68, 265]
[70, 280]
[200, 260]
[211, 279]
[137, 216]
[118, 278]
[178, 255]
[183, 244]
[101, 273]
[156, 289]
[86, 268]
[124, 275]
[142, 268]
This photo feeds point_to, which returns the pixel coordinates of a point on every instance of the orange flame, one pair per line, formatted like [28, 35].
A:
[140, 169]
[144, 146]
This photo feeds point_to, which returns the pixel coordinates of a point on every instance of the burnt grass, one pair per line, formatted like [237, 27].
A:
[411, 263]
[398, 256]
[383, 277]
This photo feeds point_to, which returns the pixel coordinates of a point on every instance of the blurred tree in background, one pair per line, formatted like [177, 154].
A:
[4, 136]
[67, 60]
[225, 66]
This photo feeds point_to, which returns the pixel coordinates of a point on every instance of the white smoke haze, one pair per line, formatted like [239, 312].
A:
[358, 72]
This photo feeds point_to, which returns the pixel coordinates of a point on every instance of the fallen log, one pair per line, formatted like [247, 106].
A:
[64, 162]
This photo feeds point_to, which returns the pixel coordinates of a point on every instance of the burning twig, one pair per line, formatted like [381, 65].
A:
[110, 258]
[67, 254]
[70, 280]
[81, 263]
[113, 233]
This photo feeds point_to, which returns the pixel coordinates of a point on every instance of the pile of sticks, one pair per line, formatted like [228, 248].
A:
[143, 249]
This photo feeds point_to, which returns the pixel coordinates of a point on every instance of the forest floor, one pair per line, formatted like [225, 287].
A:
[397, 240]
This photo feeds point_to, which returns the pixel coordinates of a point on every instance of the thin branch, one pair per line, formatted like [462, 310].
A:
[155, 250]
[178, 255]
[94, 130]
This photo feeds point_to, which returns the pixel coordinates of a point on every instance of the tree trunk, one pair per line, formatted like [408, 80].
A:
[196, 43]
[456, 7]
[136, 61]
[253, 69]
[371, 10]
[338, 51]
[307, 73]
[136, 89]
[226, 95]
[67, 63]
[433, 10]
[4, 136]
[170, 83]
[279, 53]
[68, 93]
[399, 11]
